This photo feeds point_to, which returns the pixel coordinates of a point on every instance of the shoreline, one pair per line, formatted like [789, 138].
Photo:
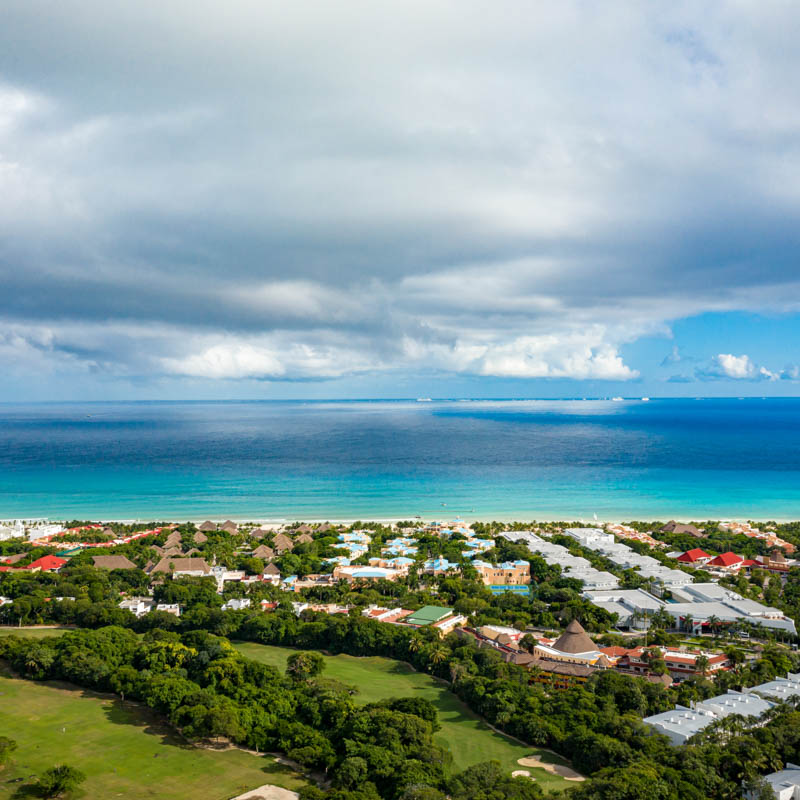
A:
[444, 517]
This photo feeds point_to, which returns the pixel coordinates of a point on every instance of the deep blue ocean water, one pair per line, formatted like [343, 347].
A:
[688, 459]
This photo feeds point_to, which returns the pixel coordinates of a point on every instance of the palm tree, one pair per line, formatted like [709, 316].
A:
[735, 655]
[438, 654]
[457, 672]
[702, 664]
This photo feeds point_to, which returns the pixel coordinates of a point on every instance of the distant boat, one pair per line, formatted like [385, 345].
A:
[617, 399]
[424, 400]
[645, 399]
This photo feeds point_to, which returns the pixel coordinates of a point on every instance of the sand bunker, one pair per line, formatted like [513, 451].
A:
[268, 792]
[555, 769]
[522, 773]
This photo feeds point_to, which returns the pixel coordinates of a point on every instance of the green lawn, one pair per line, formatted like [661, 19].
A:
[124, 750]
[468, 738]
[32, 633]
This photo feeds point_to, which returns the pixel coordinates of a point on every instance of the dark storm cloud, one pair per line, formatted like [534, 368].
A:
[315, 190]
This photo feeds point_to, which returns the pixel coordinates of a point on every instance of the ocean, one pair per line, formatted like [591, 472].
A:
[523, 460]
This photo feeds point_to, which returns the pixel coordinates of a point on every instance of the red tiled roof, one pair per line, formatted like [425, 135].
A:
[46, 563]
[614, 652]
[690, 556]
[748, 562]
[725, 560]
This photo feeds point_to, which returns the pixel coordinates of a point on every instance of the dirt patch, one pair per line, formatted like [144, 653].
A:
[268, 792]
[567, 773]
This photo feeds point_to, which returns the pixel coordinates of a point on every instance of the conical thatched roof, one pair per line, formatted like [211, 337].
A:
[200, 538]
[574, 640]
[173, 540]
[281, 543]
[207, 527]
[304, 538]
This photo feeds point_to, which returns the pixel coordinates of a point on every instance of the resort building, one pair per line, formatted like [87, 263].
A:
[169, 608]
[358, 537]
[589, 537]
[112, 562]
[697, 603]
[726, 562]
[46, 564]
[572, 566]
[439, 566]
[593, 579]
[388, 615]
[399, 564]
[476, 546]
[573, 647]
[746, 529]
[785, 784]
[236, 604]
[355, 549]
[664, 577]
[780, 689]
[680, 724]
[680, 664]
[367, 573]
[435, 617]
[777, 563]
[678, 527]
[138, 605]
[271, 574]
[180, 567]
[282, 543]
[399, 550]
[12, 531]
[695, 557]
[626, 532]
[500, 634]
[508, 576]
[223, 574]
[634, 607]
[342, 561]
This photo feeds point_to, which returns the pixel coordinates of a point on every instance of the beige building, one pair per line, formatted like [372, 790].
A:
[509, 573]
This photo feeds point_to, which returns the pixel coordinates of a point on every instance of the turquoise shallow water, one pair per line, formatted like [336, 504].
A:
[502, 459]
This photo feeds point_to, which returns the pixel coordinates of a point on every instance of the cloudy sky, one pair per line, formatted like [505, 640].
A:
[317, 199]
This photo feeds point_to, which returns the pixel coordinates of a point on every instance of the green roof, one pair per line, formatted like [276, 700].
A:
[68, 553]
[427, 615]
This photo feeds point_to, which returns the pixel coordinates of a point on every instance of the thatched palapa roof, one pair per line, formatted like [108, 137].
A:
[574, 640]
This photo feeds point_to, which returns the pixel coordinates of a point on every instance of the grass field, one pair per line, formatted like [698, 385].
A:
[463, 733]
[124, 751]
[32, 633]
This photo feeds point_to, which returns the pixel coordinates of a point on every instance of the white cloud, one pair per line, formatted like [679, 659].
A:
[736, 366]
[727, 365]
[268, 358]
[348, 189]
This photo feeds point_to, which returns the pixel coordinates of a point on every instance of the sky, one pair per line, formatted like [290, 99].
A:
[253, 199]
